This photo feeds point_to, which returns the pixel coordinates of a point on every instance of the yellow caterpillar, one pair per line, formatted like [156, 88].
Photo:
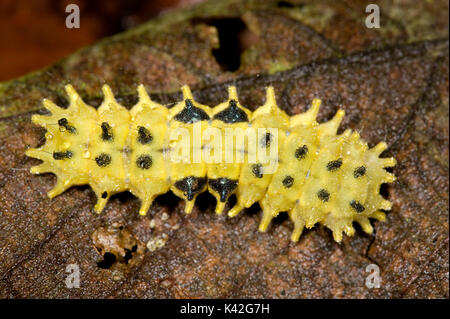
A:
[319, 176]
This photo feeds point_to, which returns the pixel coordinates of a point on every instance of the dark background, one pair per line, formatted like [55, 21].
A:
[33, 33]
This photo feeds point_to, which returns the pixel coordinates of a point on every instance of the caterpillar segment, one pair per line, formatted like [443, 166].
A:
[286, 164]
[224, 167]
[148, 171]
[187, 122]
[257, 172]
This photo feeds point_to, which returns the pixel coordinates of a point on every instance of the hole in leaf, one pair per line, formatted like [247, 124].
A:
[108, 260]
[284, 4]
[234, 39]
[287, 4]
[129, 253]
[116, 245]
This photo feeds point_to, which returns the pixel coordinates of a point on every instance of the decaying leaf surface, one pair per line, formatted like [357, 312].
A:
[392, 83]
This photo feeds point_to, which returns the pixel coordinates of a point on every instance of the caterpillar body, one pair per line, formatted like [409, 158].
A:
[320, 176]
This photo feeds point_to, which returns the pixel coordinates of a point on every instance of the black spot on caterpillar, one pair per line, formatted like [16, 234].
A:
[107, 134]
[315, 169]
[103, 160]
[62, 155]
[266, 139]
[191, 186]
[357, 206]
[144, 161]
[64, 125]
[191, 114]
[288, 181]
[300, 153]
[223, 186]
[145, 137]
[323, 195]
[257, 170]
[334, 165]
[359, 171]
[232, 114]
